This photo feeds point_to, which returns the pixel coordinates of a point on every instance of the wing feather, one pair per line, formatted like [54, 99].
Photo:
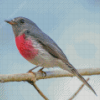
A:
[50, 46]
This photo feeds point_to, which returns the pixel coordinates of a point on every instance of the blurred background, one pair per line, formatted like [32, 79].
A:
[73, 24]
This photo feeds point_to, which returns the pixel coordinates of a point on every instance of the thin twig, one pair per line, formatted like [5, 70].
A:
[39, 91]
[78, 90]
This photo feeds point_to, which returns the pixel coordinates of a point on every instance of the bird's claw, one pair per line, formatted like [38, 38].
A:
[43, 73]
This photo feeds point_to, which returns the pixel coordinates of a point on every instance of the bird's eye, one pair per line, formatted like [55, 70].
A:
[22, 21]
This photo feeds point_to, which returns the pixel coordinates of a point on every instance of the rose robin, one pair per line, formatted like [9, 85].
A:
[39, 49]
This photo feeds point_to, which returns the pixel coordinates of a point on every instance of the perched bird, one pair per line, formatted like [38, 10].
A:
[38, 48]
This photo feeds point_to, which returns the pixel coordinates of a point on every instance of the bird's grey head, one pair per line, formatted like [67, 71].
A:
[21, 23]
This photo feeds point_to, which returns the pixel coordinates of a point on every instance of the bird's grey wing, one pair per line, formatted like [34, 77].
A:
[49, 45]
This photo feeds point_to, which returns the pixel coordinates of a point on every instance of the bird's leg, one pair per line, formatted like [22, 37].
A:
[33, 68]
[41, 70]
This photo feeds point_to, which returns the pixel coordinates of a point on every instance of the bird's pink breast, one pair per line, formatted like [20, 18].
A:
[25, 47]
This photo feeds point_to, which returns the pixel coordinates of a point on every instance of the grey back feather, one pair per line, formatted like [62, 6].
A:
[48, 44]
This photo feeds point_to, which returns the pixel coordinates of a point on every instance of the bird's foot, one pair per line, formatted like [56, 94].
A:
[43, 73]
[33, 69]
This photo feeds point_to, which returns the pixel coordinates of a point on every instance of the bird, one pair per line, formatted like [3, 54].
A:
[39, 49]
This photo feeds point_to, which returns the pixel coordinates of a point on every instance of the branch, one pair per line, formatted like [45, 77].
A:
[17, 77]
[78, 90]
[33, 77]
[62, 73]
[49, 74]
[40, 92]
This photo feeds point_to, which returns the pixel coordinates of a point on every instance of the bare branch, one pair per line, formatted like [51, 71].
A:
[78, 90]
[62, 73]
[18, 77]
[49, 74]
[39, 91]
[32, 77]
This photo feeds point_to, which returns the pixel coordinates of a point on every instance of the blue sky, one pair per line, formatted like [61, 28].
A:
[73, 24]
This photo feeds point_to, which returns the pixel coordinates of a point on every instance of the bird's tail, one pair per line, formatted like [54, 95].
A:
[72, 70]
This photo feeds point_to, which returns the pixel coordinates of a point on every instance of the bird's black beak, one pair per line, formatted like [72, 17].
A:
[11, 22]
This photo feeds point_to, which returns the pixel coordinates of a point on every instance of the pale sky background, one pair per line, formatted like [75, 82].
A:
[73, 24]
